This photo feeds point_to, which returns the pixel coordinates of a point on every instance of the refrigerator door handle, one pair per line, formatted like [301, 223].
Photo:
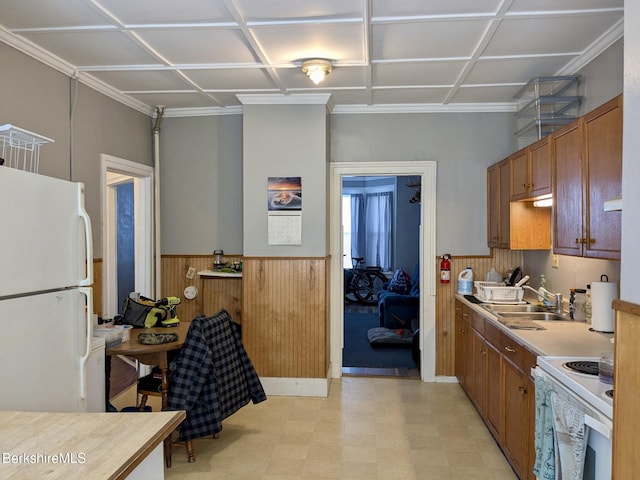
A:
[88, 292]
[88, 237]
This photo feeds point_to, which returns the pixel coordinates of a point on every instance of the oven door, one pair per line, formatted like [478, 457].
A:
[597, 462]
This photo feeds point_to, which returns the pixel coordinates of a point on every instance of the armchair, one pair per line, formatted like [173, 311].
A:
[401, 311]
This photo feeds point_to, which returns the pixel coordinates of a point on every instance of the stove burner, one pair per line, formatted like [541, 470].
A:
[583, 366]
[609, 393]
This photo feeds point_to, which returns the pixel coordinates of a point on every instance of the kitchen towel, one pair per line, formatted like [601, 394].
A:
[545, 466]
[570, 439]
[602, 313]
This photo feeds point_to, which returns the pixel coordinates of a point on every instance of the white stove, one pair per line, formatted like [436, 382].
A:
[587, 387]
[588, 393]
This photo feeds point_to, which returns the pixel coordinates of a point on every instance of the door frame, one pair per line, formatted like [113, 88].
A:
[114, 170]
[426, 170]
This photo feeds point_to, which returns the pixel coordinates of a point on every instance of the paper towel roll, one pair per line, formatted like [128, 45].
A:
[603, 315]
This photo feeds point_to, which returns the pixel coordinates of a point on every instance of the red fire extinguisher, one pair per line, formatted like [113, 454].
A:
[445, 269]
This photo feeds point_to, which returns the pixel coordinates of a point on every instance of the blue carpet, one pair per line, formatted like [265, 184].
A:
[359, 353]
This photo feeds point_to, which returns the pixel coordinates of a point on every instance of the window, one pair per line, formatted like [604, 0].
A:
[367, 218]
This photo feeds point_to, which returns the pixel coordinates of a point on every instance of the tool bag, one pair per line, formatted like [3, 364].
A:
[144, 313]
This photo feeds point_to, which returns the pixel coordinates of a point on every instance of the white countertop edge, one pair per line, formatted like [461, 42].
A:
[563, 338]
[213, 273]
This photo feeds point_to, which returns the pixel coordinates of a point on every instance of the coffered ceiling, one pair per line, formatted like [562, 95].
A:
[420, 55]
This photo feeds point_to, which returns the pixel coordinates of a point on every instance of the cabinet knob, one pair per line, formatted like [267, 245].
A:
[510, 349]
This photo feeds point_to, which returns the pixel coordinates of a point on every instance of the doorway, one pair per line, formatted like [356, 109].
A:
[380, 222]
[426, 172]
[127, 189]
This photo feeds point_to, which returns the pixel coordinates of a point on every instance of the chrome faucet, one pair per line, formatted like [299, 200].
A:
[556, 298]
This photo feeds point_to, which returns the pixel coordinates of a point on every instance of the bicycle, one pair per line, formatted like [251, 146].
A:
[363, 282]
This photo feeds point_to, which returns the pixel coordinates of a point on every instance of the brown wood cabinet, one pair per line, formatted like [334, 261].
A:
[531, 171]
[513, 225]
[464, 359]
[587, 167]
[499, 385]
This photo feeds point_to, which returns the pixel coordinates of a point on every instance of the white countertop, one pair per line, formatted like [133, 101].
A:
[563, 338]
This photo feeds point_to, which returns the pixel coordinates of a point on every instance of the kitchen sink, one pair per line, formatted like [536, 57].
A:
[533, 315]
[504, 309]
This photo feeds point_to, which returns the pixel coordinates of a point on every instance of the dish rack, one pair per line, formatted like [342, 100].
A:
[496, 292]
[20, 148]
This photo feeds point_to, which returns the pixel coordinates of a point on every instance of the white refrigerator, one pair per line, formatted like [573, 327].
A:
[49, 360]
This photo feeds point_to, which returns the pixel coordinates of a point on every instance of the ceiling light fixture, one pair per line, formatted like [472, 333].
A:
[317, 69]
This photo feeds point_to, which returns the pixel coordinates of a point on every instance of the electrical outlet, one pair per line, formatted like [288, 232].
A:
[554, 261]
[190, 273]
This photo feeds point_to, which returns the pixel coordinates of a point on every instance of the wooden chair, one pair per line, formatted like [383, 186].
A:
[150, 385]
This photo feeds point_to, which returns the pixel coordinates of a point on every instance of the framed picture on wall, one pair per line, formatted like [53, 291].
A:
[284, 193]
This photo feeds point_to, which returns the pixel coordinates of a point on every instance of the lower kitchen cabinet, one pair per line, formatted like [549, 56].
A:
[516, 400]
[494, 370]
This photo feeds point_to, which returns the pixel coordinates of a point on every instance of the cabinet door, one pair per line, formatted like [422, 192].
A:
[505, 212]
[603, 179]
[479, 354]
[494, 389]
[519, 166]
[462, 329]
[567, 191]
[540, 167]
[493, 206]
[516, 415]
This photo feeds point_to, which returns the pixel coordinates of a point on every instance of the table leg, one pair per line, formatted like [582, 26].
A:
[164, 388]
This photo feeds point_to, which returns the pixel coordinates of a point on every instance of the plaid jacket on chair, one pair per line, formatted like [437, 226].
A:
[213, 376]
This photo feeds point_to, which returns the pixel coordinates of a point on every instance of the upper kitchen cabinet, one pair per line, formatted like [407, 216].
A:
[498, 205]
[531, 171]
[587, 162]
[513, 225]
[603, 159]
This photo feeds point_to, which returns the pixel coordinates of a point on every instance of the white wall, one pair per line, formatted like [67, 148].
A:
[631, 155]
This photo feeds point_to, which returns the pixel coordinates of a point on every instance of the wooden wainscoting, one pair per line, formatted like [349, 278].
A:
[626, 423]
[213, 294]
[502, 260]
[285, 316]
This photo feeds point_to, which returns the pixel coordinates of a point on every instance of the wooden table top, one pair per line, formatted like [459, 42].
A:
[133, 347]
[80, 445]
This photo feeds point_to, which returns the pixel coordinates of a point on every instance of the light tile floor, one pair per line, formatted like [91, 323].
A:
[367, 428]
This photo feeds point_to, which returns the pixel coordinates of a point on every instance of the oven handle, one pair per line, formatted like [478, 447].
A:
[597, 426]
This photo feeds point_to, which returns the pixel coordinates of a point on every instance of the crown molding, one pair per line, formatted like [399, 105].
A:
[607, 39]
[426, 108]
[202, 111]
[31, 49]
[279, 99]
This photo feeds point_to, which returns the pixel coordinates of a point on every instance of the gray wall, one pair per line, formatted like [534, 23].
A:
[462, 144]
[38, 98]
[285, 141]
[201, 184]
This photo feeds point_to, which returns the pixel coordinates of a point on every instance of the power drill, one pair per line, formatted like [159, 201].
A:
[170, 304]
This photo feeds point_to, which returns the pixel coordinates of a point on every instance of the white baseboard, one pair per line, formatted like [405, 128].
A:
[296, 387]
